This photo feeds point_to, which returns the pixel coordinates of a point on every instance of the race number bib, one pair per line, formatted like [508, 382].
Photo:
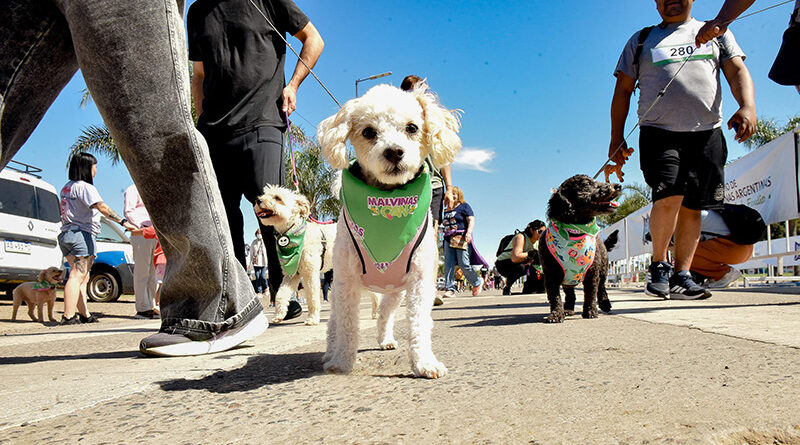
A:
[664, 55]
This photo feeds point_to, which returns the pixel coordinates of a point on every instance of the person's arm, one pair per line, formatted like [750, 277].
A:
[517, 254]
[620, 105]
[112, 215]
[719, 24]
[130, 206]
[470, 227]
[312, 48]
[198, 75]
[447, 179]
[741, 85]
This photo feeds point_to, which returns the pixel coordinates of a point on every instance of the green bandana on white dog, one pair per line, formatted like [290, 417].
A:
[385, 221]
[289, 247]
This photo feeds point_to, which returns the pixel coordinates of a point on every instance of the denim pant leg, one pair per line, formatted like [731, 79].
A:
[450, 262]
[261, 279]
[36, 61]
[469, 273]
[133, 57]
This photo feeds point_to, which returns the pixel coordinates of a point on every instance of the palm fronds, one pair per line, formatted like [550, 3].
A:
[315, 177]
[97, 140]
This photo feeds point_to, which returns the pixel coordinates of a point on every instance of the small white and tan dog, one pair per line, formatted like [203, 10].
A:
[286, 211]
[392, 131]
[36, 293]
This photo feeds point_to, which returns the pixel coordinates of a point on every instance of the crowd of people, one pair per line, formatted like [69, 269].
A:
[236, 148]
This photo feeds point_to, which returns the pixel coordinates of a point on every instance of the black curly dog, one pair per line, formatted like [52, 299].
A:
[577, 201]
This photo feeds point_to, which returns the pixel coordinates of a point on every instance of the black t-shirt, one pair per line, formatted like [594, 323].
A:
[243, 60]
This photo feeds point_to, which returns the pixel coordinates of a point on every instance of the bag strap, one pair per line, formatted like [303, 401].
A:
[637, 54]
[508, 246]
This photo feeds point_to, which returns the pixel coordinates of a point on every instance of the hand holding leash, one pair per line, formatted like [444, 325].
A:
[618, 152]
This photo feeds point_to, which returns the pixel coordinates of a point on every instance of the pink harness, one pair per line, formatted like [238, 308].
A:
[383, 277]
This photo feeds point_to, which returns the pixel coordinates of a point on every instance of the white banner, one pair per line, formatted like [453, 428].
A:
[778, 246]
[766, 180]
[618, 252]
[638, 229]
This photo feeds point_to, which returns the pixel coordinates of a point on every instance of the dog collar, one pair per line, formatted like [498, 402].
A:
[385, 222]
[43, 285]
[573, 246]
[289, 246]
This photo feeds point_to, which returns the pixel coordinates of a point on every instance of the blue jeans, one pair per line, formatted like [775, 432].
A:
[260, 283]
[461, 257]
[133, 57]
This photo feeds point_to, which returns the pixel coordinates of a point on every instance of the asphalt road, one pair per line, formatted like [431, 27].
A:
[723, 370]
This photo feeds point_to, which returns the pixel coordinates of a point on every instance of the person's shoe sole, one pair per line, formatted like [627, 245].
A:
[653, 294]
[683, 297]
[221, 342]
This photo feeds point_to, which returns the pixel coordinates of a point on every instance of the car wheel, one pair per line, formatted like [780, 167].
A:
[103, 287]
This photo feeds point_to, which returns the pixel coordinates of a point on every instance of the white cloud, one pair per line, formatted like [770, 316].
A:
[475, 159]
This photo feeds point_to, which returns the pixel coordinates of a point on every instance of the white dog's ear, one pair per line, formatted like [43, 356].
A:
[332, 134]
[441, 129]
[302, 206]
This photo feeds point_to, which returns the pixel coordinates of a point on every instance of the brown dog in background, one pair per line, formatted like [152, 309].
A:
[36, 294]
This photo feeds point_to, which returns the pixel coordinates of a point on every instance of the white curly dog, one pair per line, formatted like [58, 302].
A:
[287, 211]
[392, 131]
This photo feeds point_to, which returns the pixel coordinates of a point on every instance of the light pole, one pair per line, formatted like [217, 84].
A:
[377, 76]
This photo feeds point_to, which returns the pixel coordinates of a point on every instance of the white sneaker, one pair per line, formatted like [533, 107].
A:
[174, 345]
[729, 277]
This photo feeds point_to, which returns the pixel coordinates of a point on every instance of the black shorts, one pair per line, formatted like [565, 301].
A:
[688, 164]
[437, 198]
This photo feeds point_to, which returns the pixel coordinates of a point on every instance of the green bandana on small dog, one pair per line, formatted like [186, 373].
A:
[573, 246]
[43, 285]
[289, 247]
[385, 221]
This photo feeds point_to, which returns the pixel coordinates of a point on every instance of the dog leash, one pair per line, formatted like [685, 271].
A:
[295, 181]
[664, 90]
[291, 153]
[280, 34]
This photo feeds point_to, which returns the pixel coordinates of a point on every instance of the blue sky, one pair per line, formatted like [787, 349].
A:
[534, 79]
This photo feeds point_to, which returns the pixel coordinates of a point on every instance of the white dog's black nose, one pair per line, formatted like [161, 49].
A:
[393, 155]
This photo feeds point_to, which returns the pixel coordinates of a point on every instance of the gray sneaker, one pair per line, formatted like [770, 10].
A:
[658, 283]
[176, 345]
[729, 277]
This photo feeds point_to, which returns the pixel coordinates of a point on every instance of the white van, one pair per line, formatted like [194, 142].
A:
[30, 221]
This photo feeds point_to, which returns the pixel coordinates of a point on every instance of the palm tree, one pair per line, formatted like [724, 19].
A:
[314, 176]
[95, 139]
[768, 130]
[634, 197]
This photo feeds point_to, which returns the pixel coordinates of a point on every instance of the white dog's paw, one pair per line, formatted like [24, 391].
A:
[375, 314]
[337, 363]
[388, 344]
[432, 369]
[276, 320]
[312, 321]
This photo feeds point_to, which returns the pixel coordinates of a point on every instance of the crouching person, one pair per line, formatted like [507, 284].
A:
[727, 237]
[520, 252]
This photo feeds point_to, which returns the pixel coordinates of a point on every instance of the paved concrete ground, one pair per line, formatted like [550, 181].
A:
[724, 370]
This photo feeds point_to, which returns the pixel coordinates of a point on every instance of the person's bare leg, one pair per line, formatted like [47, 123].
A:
[83, 307]
[72, 290]
[663, 219]
[687, 235]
